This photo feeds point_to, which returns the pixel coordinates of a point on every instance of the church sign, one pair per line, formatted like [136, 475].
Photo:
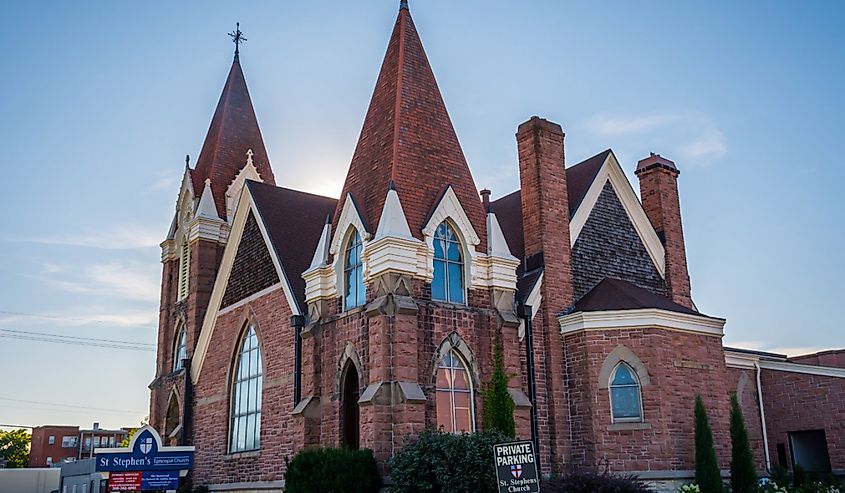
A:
[146, 464]
[516, 469]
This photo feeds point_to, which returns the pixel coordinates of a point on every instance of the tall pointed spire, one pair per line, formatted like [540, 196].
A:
[233, 131]
[408, 138]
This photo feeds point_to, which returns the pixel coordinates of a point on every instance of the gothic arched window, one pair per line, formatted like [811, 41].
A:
[180, 349]
[355, 294]
[455, 410]
[245, 427]
[625, 397]
[448, 282]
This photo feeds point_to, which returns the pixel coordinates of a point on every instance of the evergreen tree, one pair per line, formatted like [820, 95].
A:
[743, 472]
[707, 474]
[498, 405]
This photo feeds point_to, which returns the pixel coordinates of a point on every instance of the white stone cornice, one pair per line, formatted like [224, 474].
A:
[320, 283]
[349, 216]
[737, 359]
[643, 318]
[449, 207]
[392, 254]
[612, 172]
[169, 250]
[393, 222]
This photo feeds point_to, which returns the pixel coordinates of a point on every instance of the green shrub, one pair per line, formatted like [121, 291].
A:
[444, 462]
[331, 470]
[595, 483]
[743, 472]
[498, 404]
[707, 474]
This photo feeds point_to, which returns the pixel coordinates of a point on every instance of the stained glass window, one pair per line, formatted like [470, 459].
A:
[625, 398]
[246, 395]
[455, 411]
[355, 293]
[448, 282]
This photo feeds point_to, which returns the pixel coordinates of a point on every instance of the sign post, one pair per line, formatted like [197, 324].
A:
[516, 467]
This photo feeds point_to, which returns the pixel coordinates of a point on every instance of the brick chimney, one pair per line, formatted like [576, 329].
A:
[659, 194]
[545, 225]
[545, 206]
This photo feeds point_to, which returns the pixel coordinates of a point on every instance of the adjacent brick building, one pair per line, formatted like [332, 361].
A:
[291, 320]
[53, 444]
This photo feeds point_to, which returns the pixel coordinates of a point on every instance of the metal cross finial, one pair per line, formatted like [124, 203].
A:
[403, 4]
[237, 38]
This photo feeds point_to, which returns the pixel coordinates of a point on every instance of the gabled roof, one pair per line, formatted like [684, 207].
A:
[233, 131]
[508, 209]
[408, 138]
[615, 294]
[294, 221]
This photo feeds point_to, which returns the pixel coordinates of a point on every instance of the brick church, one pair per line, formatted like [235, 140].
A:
[291, 320]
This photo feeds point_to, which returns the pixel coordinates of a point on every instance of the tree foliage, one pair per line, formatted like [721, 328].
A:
[332, 470]
[498, 404]
[707, 474]
[743, 472]
[14, 447]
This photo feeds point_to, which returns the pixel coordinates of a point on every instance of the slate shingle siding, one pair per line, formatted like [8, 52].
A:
[609, 246]
[253, 268]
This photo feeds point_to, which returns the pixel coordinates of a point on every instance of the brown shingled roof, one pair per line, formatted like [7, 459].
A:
[615, 294]
[294, 222]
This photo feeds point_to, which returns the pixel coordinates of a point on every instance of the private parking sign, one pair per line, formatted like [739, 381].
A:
[516, 469]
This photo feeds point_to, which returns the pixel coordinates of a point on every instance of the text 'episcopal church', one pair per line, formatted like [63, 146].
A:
[291, 320]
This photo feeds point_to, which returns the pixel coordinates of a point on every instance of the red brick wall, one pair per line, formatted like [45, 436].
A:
[680, 365]
[743, 382]
[40, 447]
[271, 316]
[801, 402]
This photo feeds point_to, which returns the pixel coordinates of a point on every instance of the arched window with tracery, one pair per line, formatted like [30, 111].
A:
[448, 281]
[354, 294]
[245, 429]
[455, 409]
[625, 395]
[180, 349]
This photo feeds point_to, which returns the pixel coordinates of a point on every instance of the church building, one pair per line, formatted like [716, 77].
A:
[290, 320]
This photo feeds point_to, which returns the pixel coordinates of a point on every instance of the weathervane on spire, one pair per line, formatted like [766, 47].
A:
[403, 4]
[237, 38]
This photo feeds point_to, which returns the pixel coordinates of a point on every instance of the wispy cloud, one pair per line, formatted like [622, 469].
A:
[167, 181]
[76, 317]
[689, 137]
[128, 280]
[787, 350]
[114, 238]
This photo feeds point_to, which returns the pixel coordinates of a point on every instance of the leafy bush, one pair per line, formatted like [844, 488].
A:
[498, 404]
[743, 472]
[689, 488]
[332, 470]
[707, 474]
[438, 461]
[595, 483]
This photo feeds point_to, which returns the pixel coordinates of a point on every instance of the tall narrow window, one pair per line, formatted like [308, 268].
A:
[355, 293]
[184, 269]
[455, 411]
[180, 350]
[625, 397]
[245, 428]
[448, 282]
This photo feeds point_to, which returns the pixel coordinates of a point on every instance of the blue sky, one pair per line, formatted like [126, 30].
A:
[102, 100]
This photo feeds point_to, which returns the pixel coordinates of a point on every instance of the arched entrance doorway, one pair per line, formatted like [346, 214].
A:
[350, 416]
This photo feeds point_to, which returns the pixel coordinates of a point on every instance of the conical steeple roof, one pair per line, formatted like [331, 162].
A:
[233, 131]
[408, 138]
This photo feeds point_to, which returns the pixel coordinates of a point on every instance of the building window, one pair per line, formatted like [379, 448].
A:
[625, 397]
[49, 461]
[355, 294]
[180, 351]
[69, 442]
[51, 440]
[455, 413]
[448, 282]
[246, 395]
[184, 269]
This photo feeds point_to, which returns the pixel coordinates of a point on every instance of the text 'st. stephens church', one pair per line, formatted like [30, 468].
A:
[291, 320]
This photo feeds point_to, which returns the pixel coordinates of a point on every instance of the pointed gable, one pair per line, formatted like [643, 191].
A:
[252, 269]
[408, 138]
[233, 131]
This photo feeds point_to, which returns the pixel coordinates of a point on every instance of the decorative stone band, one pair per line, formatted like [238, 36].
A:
[641, 319]
[169, 250]
[745, 360]
[208, 229]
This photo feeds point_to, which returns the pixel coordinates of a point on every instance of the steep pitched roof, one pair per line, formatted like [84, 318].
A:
[508, 209]
[294, 221]
[408, 138]
[233, 131]
[615, 294]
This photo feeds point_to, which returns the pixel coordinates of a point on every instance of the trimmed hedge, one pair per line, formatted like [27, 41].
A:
[444, 462]
[331, 470]
[594, 483]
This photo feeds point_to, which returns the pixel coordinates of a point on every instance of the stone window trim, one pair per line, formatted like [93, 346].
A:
[464, 262]
[349, 357]
[449, 210]
[454, 342]
[621, 355]
[180, 342]
[248, 320]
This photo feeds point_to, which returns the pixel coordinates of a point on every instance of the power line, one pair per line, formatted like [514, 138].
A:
[15, 426]
[69, 406]
[72, 319]
[74, 341]
[92, 339]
